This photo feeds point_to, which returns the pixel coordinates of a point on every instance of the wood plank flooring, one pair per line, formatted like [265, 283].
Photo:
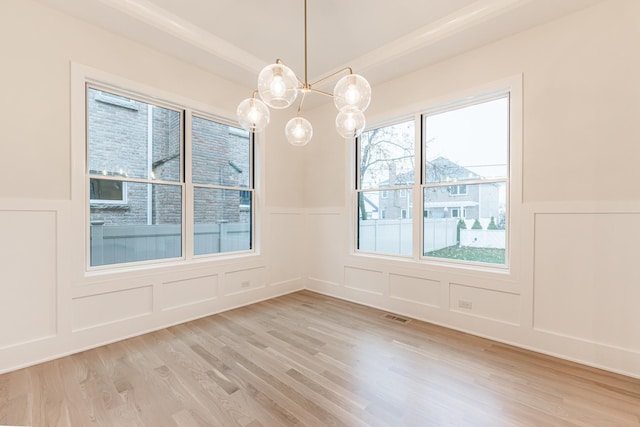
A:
[306, 359]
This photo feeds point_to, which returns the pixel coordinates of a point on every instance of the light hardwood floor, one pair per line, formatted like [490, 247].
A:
[307, 359]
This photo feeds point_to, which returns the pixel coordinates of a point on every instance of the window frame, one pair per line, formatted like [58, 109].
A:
[250, 188]
[511, 85]
[459, 104]
[358, 188]
[82, 77]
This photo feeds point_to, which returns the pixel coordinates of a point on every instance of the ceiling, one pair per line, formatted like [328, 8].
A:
[379, 39]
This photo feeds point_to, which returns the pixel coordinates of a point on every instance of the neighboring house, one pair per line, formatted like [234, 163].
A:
[457, 200]
[148, 141]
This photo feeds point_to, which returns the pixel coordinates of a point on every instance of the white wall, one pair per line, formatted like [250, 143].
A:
[573, 286]
[49, 305]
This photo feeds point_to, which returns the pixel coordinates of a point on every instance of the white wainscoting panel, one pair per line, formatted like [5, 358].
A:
[237, 282]
[325, 260]
[188, 291]
[364, 280]
[111, 307]
[587, 279]
[285, 236]
[416, 290]
[28, 270]
[485, 303]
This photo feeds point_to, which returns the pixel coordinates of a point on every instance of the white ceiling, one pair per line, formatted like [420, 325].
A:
[380, 39]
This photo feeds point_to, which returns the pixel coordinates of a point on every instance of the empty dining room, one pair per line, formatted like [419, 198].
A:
[319, 213]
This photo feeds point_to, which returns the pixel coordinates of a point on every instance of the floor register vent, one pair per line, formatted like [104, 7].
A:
[396, 318]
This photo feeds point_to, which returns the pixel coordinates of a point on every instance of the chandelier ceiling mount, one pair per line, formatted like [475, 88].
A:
[279, 87]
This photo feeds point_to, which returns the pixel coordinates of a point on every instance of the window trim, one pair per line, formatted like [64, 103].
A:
[81, 76]
[478, 99]
[514, 86]
[251, 187]
[357, 188]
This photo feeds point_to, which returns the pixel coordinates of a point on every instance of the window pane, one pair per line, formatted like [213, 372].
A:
[384, 223]
[387, 156]
[467, 143]
[221, 154]
[222, 221]
[147, 227]
[131, 138]
[467, 227]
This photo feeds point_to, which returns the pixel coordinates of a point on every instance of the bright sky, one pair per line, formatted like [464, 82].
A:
[475, 137]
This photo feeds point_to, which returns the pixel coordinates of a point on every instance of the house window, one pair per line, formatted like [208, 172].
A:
[137, 182]
[458, 190]
[467, 143]
[107, 191]
[386, 168]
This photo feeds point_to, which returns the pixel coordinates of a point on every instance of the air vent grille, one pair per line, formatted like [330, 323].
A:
[396, 318]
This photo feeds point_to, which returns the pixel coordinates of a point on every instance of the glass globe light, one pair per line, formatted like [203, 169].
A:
[278, 86]
[298, 131]
[253, 115]
[350, 122]
[353, 90]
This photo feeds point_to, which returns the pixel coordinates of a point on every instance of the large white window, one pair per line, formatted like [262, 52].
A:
[464, 182]
[140, 193]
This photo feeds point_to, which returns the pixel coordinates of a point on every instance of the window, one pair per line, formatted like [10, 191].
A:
[464, 181]
[456, 190]
[221, 165]
[469, 143]
[137, 181]
[107, 191]
[386, 170]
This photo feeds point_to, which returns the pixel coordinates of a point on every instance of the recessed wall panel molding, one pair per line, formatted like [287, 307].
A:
[111, 307]
[284, 235]
[484, 303]
[28, 271]
[189, 291]
[237, 282]
[415, 289]
[325, 257]
[586, 277]
[364, 280]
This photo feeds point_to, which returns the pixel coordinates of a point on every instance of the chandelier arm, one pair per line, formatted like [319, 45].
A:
[304, 94]
[332, 75]
[320, 92]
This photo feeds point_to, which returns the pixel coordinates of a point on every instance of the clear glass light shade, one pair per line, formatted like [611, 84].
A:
[350, 122]
[278, 86]
[352, 90]
[298, 131]
[253, 115]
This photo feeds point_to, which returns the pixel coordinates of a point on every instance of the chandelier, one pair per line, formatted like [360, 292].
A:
[279, 87]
